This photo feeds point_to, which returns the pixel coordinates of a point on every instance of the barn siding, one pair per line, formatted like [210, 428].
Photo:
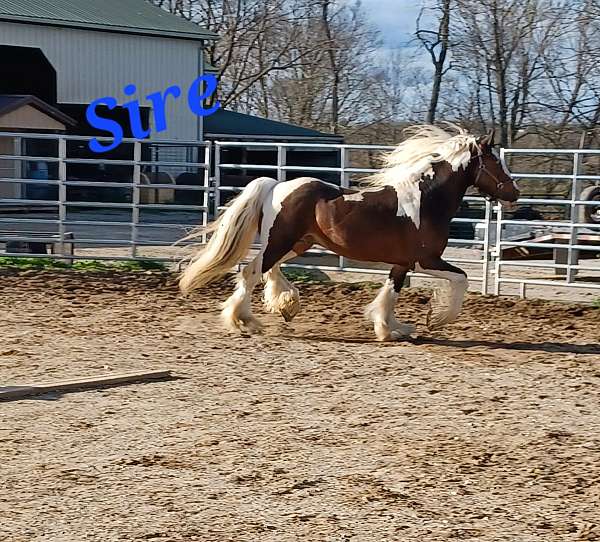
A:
[93, 64]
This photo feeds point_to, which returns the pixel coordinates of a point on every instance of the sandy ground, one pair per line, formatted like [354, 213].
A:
[488, 430]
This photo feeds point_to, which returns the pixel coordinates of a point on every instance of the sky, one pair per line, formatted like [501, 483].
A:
[395, 19]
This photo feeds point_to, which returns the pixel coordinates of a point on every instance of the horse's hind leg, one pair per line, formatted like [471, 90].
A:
[381, 310]
[280, 296]
[237, 310]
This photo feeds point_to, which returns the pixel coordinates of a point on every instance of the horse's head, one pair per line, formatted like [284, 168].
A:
[489, 174]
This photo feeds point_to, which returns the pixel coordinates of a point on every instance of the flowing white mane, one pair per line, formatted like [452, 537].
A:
[425, 146]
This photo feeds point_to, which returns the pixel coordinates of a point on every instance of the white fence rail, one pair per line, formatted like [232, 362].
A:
[154, 213]
[96, 221]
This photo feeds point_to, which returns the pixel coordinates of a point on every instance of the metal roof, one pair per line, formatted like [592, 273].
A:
[10, 102]
[122, 16]
[226, 124]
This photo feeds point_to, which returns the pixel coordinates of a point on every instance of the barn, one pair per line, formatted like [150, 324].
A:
[69, 53]
[58, 56]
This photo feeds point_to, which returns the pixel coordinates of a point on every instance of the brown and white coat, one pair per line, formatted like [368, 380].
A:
[401, 217]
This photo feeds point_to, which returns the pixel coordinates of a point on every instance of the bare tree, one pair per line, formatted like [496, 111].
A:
[437, 44]
[572, 94]
[501, 47]
[338, 87]
[256, 38]
[333, 64]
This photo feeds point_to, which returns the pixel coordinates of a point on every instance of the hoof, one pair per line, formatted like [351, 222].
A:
[398, 333]
[289, 313]
[287, 316]
[436, 320]
[244, 325]
[434, 323]
[252, 327]
[287, 304]
[403, 331]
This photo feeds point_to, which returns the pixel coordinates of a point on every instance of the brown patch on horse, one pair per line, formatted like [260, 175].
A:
[366, 229]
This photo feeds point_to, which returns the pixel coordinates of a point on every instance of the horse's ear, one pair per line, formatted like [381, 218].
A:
[487, 139]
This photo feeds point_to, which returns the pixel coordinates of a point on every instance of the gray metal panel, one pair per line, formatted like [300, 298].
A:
[91, 65]
[128, 16]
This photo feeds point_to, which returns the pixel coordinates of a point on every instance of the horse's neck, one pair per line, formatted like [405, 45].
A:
[443, 199]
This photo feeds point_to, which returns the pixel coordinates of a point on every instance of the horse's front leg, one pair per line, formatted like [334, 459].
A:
[381, 310]
[446, 302]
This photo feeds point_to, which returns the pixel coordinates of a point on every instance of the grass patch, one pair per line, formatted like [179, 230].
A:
[128, 265]
[596, 303]
[32, 263]
[304, 275]
[81, 265]
[370, 285]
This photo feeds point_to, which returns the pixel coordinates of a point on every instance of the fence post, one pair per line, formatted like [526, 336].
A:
[498, 249]
[217, 198]
[486, 247]
[62, 192]
[19, 167]
[281, 163]
[497, 252]
[345, 183]
[135, 197]
[205, 199]
[573, 255]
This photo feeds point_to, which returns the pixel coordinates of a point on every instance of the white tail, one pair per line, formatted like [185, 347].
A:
[232, 235]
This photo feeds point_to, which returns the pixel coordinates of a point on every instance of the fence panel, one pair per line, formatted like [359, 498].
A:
[553, 247]
[139, 202]
[131, 206]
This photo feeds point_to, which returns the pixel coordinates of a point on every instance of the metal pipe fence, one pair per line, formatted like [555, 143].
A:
[95, 220]
[565, 256]
[190, 181]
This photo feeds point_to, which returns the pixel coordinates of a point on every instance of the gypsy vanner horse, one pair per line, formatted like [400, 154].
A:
[401, 216]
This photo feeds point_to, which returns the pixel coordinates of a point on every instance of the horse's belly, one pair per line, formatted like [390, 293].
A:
[366, 234]
[367, 249]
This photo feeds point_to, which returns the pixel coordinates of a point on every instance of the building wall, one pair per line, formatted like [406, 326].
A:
[92, 64]
[28, 118]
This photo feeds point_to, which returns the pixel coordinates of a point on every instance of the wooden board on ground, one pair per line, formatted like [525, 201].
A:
[17, 392]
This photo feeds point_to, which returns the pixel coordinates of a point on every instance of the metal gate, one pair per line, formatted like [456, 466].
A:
[567, 237]
[59, 197]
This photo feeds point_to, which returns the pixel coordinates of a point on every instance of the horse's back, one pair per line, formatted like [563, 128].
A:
[306, 187]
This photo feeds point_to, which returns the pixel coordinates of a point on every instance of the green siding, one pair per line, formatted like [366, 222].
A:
[231, 123]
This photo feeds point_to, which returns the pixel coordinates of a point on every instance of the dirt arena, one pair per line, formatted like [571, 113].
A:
[488, 430]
